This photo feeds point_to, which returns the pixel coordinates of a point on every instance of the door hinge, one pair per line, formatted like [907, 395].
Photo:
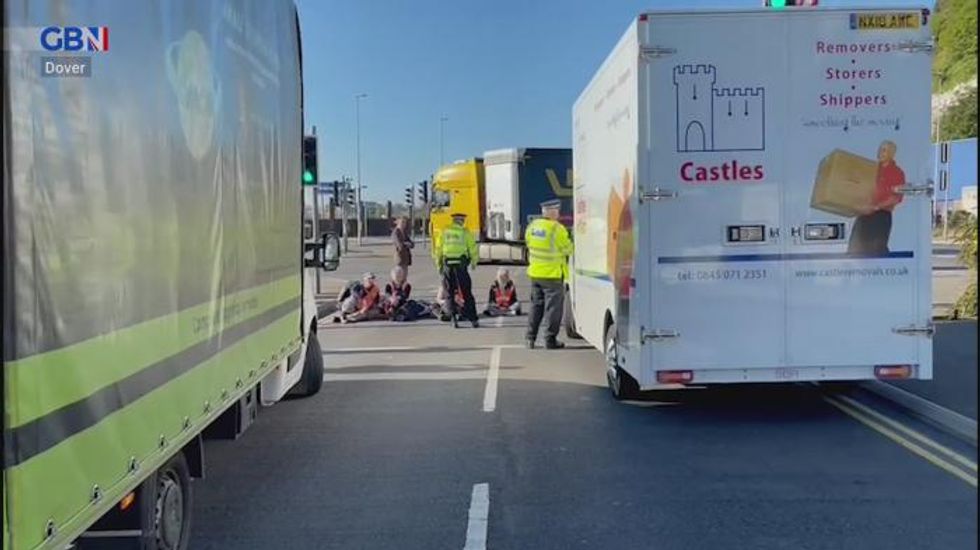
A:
[653, 52]
[928, 189]
[657, 194]
[912, 46]
[658, 335]
[914, 330]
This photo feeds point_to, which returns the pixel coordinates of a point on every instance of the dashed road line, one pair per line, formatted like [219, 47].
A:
[479, 517]
[493, 374]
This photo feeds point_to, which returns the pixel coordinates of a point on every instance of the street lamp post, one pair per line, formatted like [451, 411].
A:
[357, 115]
[442, 139]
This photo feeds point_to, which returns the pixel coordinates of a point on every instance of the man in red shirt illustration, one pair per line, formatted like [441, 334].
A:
[873, 227]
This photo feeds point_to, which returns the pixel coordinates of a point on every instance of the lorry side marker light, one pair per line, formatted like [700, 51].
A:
[127, 501]
[893, 372]
[675, 376]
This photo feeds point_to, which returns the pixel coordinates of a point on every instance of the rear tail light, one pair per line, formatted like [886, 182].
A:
[893, 372]
[675, 376]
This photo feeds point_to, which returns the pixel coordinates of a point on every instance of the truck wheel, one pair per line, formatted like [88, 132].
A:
[172, 510]
[622, 385]
[312, 367]
[569, 319]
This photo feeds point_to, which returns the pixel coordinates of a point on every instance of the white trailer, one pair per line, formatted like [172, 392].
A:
[516, 182]
[736, 174]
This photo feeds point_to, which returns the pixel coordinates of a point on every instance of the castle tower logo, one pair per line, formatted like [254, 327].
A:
[710, 118]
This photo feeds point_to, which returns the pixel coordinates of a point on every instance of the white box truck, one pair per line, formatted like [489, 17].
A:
[752, 199]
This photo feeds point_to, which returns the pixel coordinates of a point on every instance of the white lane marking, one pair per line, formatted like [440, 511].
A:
[479, 517]
[498, 322]
[372, 376]
[490, 393]
[433, 349]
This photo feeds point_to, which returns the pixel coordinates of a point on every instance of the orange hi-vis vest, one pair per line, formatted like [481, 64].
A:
[504, 296]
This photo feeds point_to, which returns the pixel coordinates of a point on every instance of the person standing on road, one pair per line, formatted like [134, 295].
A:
[454, 253]
[548, 248]
[403, 244]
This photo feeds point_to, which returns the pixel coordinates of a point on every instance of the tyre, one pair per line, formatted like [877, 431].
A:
[568, 319]
[621, 384]
[312, 368]
[171, 514]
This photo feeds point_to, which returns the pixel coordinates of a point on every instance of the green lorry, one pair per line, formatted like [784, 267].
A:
[156, 276]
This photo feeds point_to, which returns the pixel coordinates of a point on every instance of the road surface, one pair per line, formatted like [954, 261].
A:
[427, 437]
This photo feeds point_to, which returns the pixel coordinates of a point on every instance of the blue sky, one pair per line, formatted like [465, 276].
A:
[505, 72]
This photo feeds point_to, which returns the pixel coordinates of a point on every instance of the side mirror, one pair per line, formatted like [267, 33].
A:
[330, 248]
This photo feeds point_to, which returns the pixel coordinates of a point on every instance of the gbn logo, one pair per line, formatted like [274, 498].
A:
[75, 39]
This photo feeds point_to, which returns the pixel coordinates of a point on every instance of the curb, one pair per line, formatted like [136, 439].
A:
[953, 422]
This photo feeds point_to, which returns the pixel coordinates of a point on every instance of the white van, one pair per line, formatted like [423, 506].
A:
[752, 198]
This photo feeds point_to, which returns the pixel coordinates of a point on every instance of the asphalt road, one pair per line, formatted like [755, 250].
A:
[954, 381]
[411, 444]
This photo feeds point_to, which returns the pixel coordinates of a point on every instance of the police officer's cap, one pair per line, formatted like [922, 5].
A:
[459, 216]
[553, 203]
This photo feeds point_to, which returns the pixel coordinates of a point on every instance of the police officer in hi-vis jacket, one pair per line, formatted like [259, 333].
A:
[454, 253]
[548, 248]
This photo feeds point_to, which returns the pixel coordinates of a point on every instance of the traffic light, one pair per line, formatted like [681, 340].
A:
[423, 192]
[780, 4]
[310, 174]
[351, 197]
[409, 195]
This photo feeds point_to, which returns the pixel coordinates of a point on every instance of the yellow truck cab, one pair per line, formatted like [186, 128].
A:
[457, 188]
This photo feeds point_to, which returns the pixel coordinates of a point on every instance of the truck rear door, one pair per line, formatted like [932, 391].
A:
[713, 90]
[857, 285]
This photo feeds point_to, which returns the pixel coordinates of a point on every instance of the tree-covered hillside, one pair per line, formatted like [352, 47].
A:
[955, 26]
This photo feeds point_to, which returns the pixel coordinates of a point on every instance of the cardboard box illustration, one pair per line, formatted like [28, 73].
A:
[845, 184]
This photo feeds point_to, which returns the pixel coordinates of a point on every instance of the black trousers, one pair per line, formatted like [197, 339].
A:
[547, 303]
[870, 233]
[456, 276]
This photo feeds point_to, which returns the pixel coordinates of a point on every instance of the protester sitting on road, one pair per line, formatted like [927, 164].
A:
[503, 296]
[363, 303]
[348, 298]
[441, 306]
[397, 304]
